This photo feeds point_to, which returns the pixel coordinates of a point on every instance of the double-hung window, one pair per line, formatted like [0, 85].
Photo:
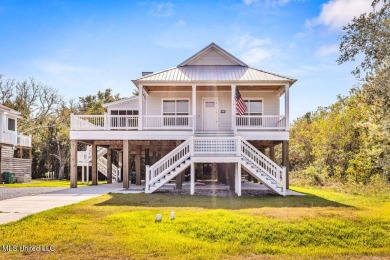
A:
[176, 112]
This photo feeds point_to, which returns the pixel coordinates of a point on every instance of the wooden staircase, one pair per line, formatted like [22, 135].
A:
[84, 158]
[230, 148]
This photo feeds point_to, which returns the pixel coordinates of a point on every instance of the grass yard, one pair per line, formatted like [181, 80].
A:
[45, 183]
[322, 224]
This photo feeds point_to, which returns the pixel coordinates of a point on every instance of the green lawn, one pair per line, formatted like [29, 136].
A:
[322, 224]
[45, 183]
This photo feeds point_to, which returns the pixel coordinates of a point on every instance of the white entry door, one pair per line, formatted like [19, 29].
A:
[210, 114]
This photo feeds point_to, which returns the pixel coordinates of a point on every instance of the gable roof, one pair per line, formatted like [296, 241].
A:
[10, 110]
[212, 64]
[225, 58]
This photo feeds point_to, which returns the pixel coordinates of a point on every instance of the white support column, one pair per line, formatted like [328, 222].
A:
[193, 108]
[82, 174]
[140, 106]
[239, 179]
[192, 178]
[236, 178]
[233, 102]
[87, 173]
[287, 105]
[125, 164]
[73, 163]
[147, 178]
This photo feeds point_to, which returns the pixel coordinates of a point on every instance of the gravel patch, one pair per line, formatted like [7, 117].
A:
[218, 192]
[9, 193]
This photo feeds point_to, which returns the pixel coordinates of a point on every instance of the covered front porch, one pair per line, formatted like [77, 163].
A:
[193, 108]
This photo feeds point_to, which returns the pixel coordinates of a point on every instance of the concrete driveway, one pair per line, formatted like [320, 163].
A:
[17, 208]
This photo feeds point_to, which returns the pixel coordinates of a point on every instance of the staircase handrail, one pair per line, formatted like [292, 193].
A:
[169, 161]
[275, 174]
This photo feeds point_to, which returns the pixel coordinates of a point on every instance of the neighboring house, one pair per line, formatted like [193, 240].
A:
[15, 149]
[185, 116]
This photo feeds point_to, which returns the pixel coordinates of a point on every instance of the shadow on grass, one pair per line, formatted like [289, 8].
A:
[209, 202]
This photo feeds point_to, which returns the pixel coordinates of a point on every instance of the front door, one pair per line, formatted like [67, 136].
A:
[210, 114]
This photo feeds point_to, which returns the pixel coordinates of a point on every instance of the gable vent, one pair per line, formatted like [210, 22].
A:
[145, 73]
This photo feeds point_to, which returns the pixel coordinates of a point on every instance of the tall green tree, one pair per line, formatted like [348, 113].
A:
[92, 104]
[369, 35]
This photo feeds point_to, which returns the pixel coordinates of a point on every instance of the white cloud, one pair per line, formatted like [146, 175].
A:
[249, 2]
[248, 41]
[180, 23]
[258, 54]
[162, 9]
[326, 50]
[337, 13]
[272, 3]
[253, 49]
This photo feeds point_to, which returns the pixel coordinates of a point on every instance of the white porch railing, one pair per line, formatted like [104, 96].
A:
[23, 140]
[169, 161]
[123, 122]
[8, 137]
[259, 159]
[85, 157]
[88, 122]
[163, 121]
[150, 122]
[260, 122]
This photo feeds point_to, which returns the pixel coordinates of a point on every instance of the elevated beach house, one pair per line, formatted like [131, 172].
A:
[15, 148]
[212, 109]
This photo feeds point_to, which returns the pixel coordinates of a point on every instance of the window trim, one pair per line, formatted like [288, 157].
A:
[176, 99]
[15, 124]
[254, 99]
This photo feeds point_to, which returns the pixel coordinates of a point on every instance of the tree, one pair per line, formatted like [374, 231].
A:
[92, 104]
[41, 108]
[368, 34]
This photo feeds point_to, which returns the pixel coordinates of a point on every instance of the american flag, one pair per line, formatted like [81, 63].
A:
[240, 104]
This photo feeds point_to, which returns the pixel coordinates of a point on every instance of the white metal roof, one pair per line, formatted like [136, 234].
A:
[123, 100]
[212, 64]
[212, 73]
[4, 109]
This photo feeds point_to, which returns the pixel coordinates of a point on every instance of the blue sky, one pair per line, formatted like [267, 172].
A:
[80, 47]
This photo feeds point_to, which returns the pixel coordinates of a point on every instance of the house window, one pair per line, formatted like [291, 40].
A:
[124, 119]
[124, 112]
[255, 107]
[11, 124]
[176, 112]
[253, 116]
